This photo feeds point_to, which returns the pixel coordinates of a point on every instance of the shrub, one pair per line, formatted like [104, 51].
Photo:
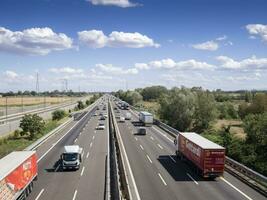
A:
[58, 114]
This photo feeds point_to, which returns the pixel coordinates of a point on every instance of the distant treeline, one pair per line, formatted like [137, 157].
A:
[54, 93]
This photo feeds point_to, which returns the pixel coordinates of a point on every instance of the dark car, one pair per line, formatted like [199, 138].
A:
[102, 117]
[141, 131]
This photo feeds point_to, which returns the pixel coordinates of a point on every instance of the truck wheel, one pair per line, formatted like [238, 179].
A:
[27, 191]
[30, 187]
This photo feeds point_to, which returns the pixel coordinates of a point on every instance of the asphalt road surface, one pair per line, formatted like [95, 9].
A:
[86, 183]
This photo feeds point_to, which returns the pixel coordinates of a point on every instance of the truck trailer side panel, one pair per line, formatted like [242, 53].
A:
[13, 184]
[209, 161]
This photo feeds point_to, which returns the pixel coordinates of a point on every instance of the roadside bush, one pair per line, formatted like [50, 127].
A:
[87, 102]
[32, 125]
[80, 105]
[58, 114]
[16, 133]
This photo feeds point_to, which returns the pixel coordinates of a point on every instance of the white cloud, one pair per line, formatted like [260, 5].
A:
[110, 69]
[97, 39]
[242, 78]
[10, 74]
[93, 38]
[34, 41]
[209, 46]
[141, 66]
[258, 30]
[224, 37]
[171, 64]
[66, 70]
[119, 3]
[252, 63]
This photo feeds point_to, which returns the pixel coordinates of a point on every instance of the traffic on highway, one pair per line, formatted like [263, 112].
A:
[73, 162]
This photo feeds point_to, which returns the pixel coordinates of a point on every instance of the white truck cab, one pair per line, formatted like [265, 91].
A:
[71, 158]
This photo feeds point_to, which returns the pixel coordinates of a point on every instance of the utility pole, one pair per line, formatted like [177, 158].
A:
[37, 83]
[6, 109]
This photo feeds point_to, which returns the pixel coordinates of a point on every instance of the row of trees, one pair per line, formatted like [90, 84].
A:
[53, 93]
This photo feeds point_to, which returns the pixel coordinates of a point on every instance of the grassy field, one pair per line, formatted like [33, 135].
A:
[11, 143]
[236, 127]
[27, 101]
[151, 107]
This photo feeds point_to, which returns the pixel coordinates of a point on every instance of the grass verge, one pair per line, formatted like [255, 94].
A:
[12, 143]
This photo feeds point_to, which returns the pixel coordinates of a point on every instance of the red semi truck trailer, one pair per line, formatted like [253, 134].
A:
[207, 156]
[18, 170]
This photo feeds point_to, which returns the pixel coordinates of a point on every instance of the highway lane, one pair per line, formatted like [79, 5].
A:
[54, 184]
[179, 177]
[6, 128]
[148, 181]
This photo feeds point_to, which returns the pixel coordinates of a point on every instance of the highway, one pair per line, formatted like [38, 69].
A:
[14, 119]
[159, 175]
[155, 170]
[89, 180]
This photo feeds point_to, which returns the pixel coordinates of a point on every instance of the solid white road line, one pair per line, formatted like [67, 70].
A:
[192, 178]
[236, 188]
[57, 167]
[163, 134]
[60, 139]
[40, 193]
[87, 155]
[160, 146]
[172, 159]
[128, 165]
[151, 138]
[91, 144]
[74, 195]
[141, 147]
[163, 181]
[82, 171]
[149, 158]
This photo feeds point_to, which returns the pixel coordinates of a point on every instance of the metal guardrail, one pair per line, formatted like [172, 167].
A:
[122, 179]
[41, 140]
[247, 175]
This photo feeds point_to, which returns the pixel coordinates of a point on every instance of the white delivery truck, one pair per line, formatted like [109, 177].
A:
[18, 170]
[71, 158]
[146, 118]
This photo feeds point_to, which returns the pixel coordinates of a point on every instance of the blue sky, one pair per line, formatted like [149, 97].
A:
[108, 45]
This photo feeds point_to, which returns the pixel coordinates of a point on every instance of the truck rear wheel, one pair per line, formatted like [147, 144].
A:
[30, 187]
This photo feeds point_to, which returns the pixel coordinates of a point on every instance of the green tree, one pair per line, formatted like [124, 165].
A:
[255, 151]
[58, 114]
[87, 102]
[226, 137]
[80, 105]
[153, 92]
[32, 125]
[177, 109]
[204, 110]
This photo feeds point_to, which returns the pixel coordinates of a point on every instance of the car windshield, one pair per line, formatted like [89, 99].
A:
[70, 156]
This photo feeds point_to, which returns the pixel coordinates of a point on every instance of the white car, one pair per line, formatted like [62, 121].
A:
[128, 116]
[122, 119]
[101, 126]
